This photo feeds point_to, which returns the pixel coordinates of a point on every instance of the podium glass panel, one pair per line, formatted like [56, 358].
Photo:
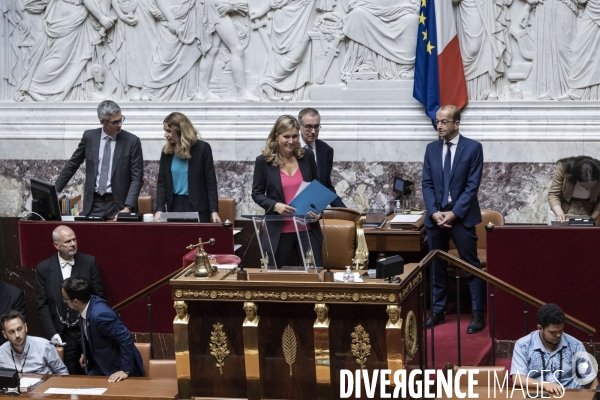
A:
[266, 226]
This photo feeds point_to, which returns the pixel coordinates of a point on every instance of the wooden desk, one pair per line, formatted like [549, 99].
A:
[217, 324]
[132, 388]
[385, 239]
[571, 394]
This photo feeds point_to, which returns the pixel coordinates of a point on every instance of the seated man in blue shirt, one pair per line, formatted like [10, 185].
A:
[545, 358]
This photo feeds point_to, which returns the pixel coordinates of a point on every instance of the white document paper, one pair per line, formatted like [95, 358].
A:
[339, 277]
[405, 219]
[90, 391]
[59, 391]
[26, 382]
[303, 186]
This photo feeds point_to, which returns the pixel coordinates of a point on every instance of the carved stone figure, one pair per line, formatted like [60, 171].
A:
[172, 75]
[224, 22]
[288, 69]
[251, 310]
[482, 29]
[181, 308]
[135, 40]
[584, 77]
[60, 62]
[322, 311]
[555, 28]
[394, 313]
[381, 38]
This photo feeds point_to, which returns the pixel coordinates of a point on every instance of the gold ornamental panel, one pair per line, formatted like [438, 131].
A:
[246, 295]
[361, 345]
[218, 346]
[410, 336]
[290, 347]
[411, 285]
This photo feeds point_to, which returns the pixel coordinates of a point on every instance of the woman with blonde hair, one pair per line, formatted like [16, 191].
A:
[186, 176]
[278, 173]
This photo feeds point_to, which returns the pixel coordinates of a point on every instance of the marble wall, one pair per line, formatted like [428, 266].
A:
[517, 190]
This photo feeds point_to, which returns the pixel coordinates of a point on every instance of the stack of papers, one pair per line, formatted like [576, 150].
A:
[90, 391]
[405, 219]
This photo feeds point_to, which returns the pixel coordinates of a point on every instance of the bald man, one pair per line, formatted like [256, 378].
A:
[61, 324]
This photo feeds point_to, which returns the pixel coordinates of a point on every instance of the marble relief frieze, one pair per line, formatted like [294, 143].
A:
[287, 50]
[517, 190]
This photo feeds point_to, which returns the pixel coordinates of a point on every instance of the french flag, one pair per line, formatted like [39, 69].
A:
[439, 73]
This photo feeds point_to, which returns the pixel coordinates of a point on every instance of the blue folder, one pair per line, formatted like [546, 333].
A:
[315, 197]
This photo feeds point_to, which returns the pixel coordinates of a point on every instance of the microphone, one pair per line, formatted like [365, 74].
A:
[242, 275]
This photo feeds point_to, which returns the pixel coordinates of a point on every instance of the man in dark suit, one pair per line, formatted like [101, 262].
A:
[11, 298]
[112, 182]
[451, 176]
[60, 324]
[310, 126]
[108, 347]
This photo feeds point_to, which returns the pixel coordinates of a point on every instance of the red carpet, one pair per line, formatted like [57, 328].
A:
[475, 349]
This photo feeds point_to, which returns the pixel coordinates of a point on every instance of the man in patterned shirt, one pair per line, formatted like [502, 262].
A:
[545, 358]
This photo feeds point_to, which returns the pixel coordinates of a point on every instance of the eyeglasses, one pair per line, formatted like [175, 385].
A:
[117, 122]
[311, 127]
[443, 122]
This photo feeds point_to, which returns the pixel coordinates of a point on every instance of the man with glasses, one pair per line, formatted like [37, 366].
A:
[451, 176]
[114, 167]
[60, 323]
[310, 126]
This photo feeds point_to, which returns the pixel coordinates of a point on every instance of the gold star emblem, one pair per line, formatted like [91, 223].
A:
[423, 3]
[422, 19]
[429, 47]
[424, 34]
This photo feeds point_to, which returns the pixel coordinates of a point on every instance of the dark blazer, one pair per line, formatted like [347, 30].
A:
[268, 191]
[324, 167]
[48, 283]
[127, 173]
[202, 180]
[465, 178]
[11, 298]
[110, 347]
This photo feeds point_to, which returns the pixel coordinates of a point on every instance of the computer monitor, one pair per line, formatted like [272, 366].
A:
[44, 201]
[402, 186]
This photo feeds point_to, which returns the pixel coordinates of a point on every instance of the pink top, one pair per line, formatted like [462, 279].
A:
[290, 185]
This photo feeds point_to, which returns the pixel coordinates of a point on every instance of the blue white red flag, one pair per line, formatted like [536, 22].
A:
[439, 73]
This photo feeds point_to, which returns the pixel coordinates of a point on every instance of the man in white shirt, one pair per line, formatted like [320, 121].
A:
[60, 324]
[27, 354]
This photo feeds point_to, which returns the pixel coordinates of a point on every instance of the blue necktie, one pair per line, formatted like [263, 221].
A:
[446, 176]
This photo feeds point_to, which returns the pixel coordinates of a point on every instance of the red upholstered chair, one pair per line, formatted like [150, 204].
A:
[144, 349]
[487, 216]
[163, 369]
[346, 244]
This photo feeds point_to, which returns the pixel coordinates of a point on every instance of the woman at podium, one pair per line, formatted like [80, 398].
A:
[186, 176]
[574, 190]
[278, 173]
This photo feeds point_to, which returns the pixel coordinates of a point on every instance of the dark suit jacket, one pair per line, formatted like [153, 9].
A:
[127, 172]
[48, 282]
[465, 178]
[110, 347]
[202, 180]
[11, 298]
[324, 166]
[267, 191]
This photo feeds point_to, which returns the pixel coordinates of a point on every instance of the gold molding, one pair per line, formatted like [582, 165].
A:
[285, 295]
[394, 340]
[252, 362]
[361, 345]
[411, 336]
[322, 352]
[218, 345]
[288, 342]
[182, 349]
[361, 255]
[411, 285]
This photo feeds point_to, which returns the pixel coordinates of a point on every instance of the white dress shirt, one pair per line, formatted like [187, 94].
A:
[65, 266]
